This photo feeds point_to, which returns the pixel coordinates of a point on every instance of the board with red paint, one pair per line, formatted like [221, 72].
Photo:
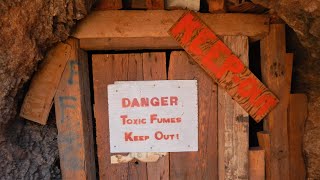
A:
[223, 66]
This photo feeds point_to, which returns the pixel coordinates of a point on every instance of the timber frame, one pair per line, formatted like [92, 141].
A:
[139, 30]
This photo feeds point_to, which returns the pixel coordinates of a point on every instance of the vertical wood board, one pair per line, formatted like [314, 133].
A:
[264, 143]
[39, 98]
[276, 70]
[201, 164]
[256, 164]
[233, 123]
[216, 6]
[108, 4]
[73, 115]
[297, 115]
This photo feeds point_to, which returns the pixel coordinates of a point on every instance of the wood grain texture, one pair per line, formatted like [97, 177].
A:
[233, 123]
[134, 4]
[256, 164]
[108, 4]
[74, 118]
[154, 68]
[155, 4]
[276, 70]
[216, 6]
[183, 4]
[122, 67]
[223, 66]
[297, 115]
[201, 164]
[264, 143]
[125, 30]
[39, 98]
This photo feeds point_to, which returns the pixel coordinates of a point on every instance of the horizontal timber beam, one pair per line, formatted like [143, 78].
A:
[132, 30]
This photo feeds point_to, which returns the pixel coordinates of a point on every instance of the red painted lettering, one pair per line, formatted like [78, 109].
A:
[186, 29]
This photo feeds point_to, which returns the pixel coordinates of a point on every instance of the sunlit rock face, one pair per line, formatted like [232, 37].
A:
[28, 28]
[303, 16]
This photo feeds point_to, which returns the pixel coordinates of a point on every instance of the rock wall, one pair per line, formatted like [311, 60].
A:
[303, 16]
[28, 29]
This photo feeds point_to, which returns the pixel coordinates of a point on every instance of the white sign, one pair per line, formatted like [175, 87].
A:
[153, 116]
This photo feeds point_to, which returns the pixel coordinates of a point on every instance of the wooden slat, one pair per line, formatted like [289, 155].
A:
[108, 4]
[223, 66]
[107, 69]
[297, 115]
[39, 98]
[276, 69]
[256, 164]
[154, 68]
[216, 6]
[264, 143]
[134, 4]
[183, 4]
[233, 123]
[74, 118]
[201, 164]
[125, 30]
[155, 4]
[121, 67]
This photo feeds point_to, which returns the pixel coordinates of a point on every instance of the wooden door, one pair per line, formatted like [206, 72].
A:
[223, 151]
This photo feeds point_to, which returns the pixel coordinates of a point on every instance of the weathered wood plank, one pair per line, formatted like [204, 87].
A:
[183, 4]
[107, 69]
[201, 164]
[108, 4]
[216, 6]
[223, 66]
[264, 143]
[118, 67]
[256, 164]
[276, 70]
[154, 68]
[233, 123]
[155, 4]
[74, 118]
[125, 30]
[39, 98]
[134, 4]
[297, 115]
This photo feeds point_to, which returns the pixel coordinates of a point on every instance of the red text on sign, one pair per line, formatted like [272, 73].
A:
[129, 137]
[155, 119]
[125, 120]
[146, 102]
[160, 136]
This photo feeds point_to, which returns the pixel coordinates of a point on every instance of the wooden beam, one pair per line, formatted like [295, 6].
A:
[108, 4]
[297, 115]
[74, 118]
[256, 164]
[276, 70]
[216, 6]
[233, 122]
[264, 143]
[39, 98]
[129, 30]
[201, 164]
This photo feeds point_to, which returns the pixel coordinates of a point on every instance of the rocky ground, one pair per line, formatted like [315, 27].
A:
[29, 28]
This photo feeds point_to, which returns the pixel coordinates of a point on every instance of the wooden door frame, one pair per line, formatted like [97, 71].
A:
[138, 30]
